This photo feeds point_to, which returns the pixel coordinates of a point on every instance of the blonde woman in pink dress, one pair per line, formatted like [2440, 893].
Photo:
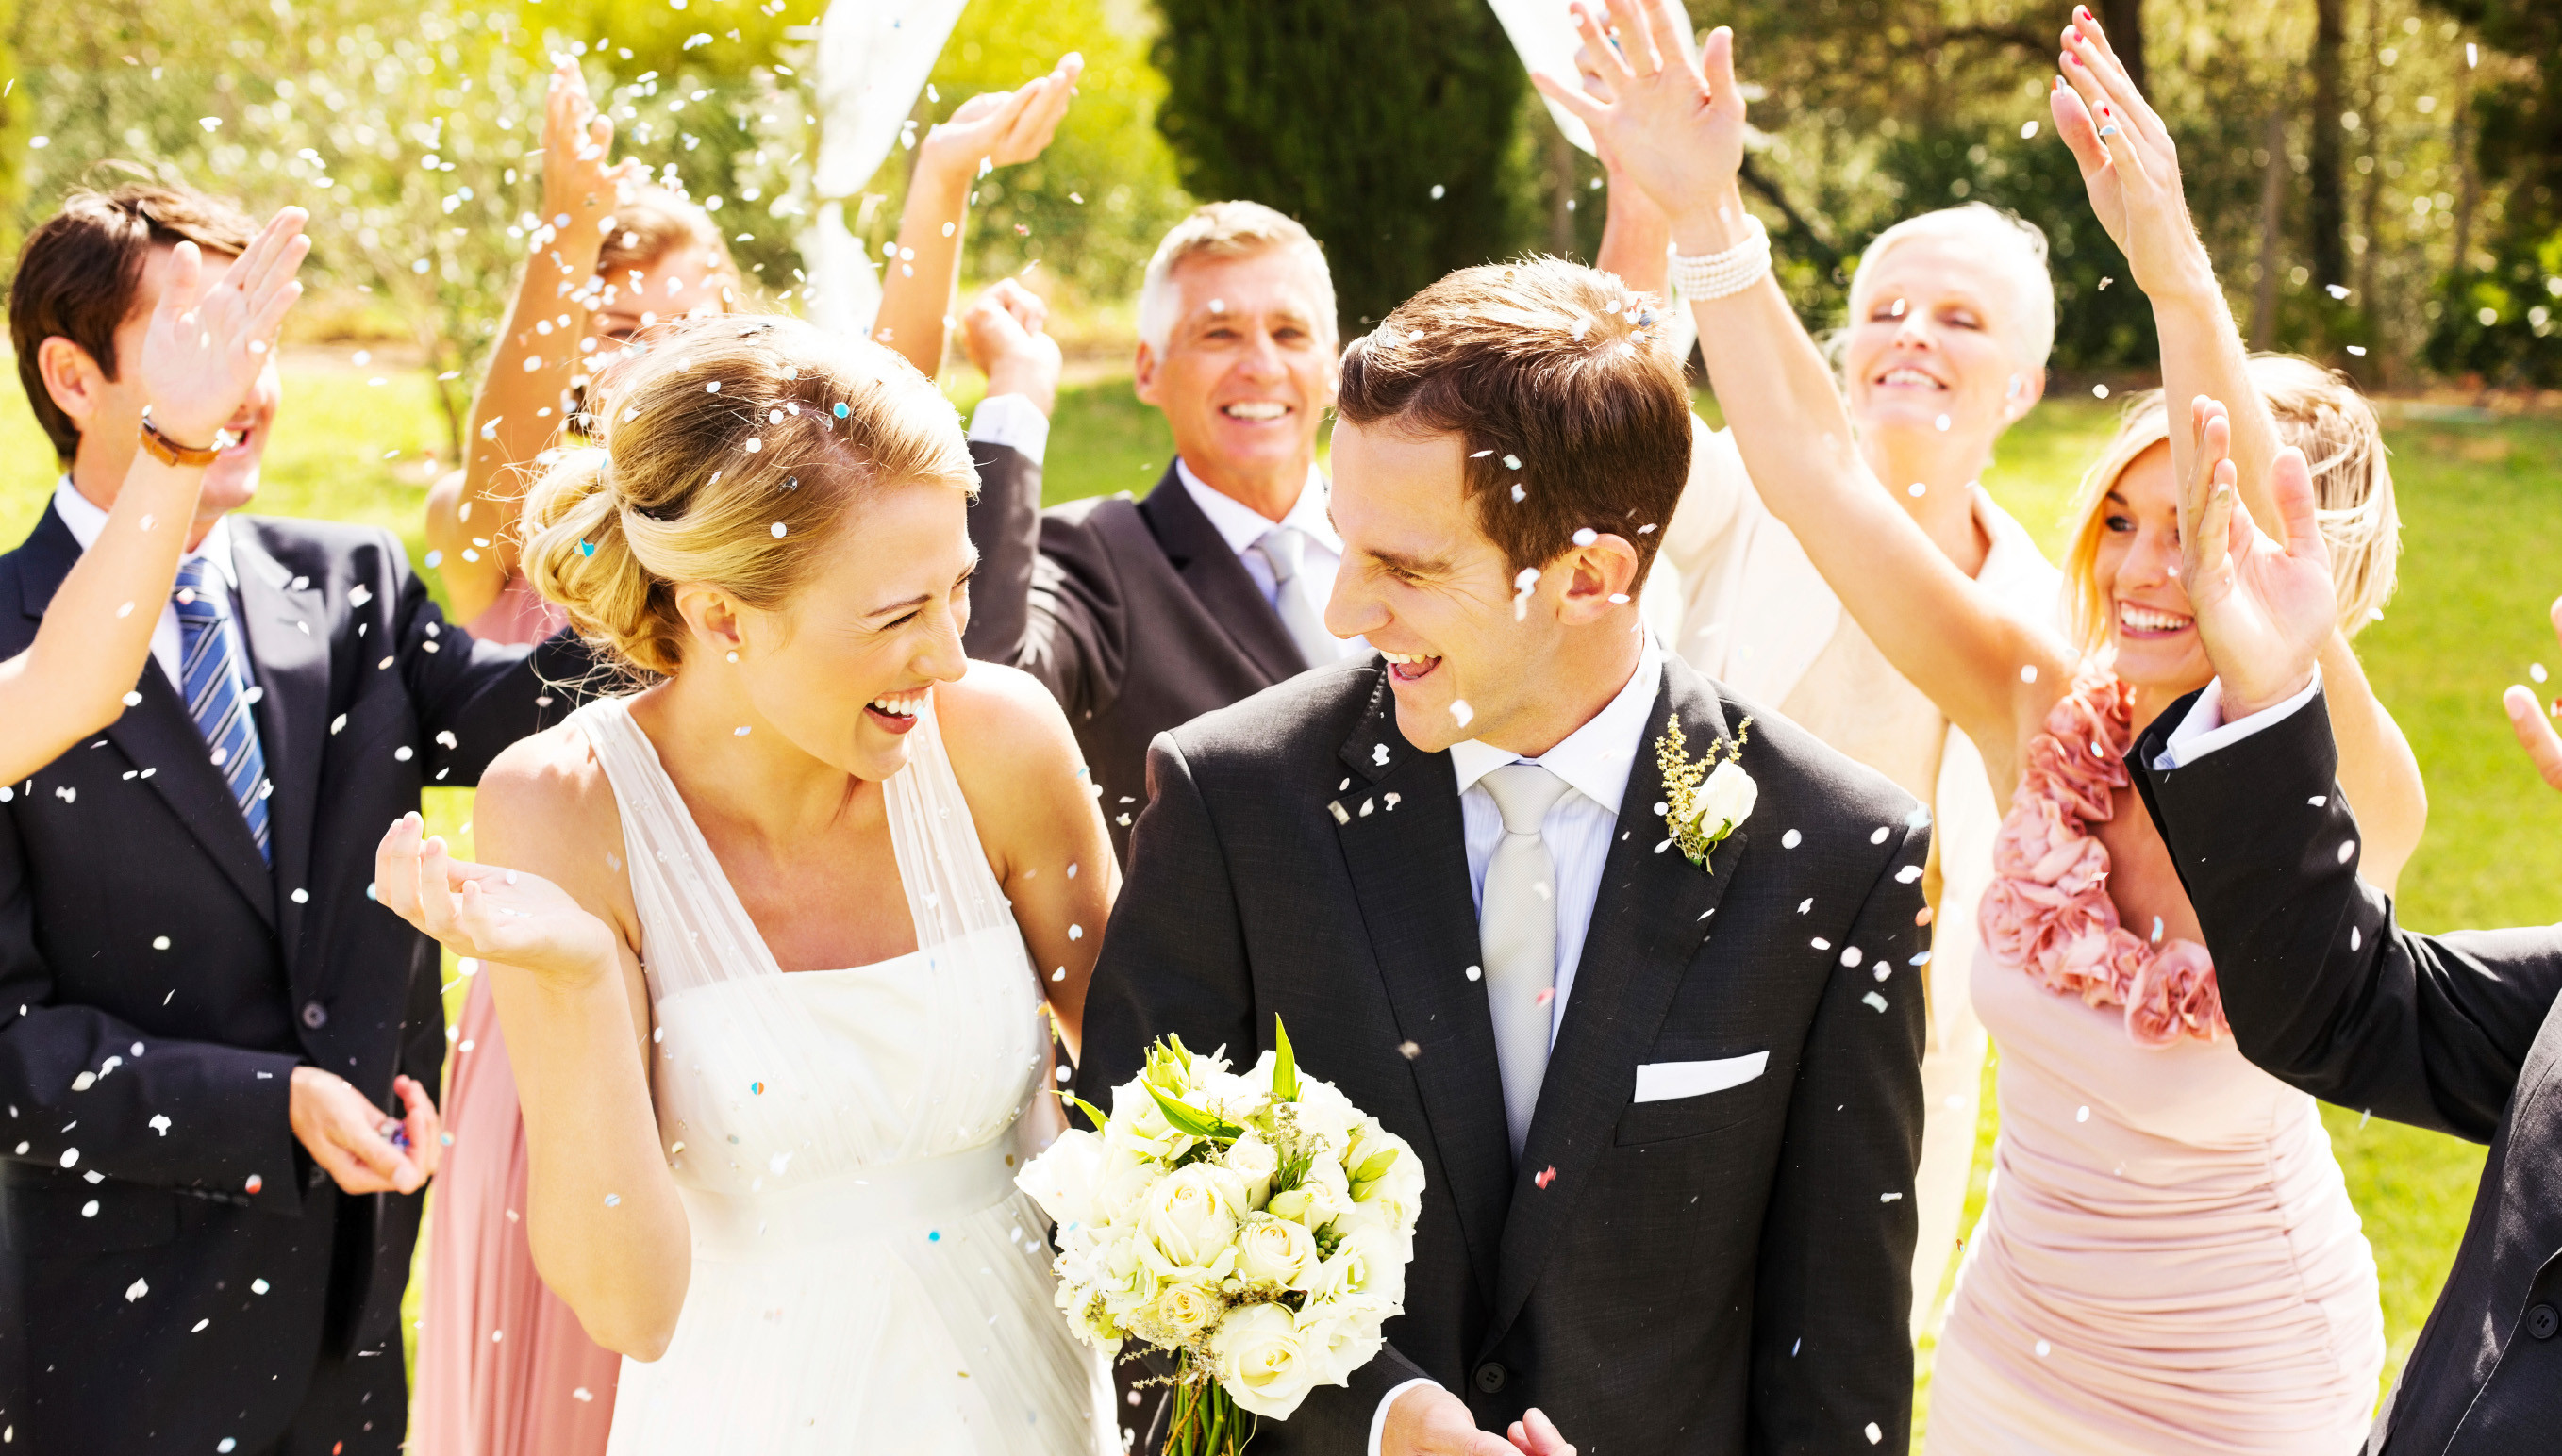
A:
[2168, 1261]
[504, 1366]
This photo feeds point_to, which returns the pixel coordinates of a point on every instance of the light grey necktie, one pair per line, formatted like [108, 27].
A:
[1283, 549]
[1518, 933]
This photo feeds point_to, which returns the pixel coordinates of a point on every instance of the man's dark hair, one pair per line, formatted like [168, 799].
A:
[81, 267]
[1563, 386]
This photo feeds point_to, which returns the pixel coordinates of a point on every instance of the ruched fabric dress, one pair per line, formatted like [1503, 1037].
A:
[865, 1276]
[2167, 1260]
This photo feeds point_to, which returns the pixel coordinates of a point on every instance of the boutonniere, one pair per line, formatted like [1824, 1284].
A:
[1704, 798]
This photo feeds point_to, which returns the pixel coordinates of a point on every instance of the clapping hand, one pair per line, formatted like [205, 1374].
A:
[203, 349]
[509, 916]
[2534, 730]
[1669, 123]
[1006, 334]
[2263, 609]
[2128, 162]
[1001, 128]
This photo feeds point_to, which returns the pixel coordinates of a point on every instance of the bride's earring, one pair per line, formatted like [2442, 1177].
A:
[733, 657]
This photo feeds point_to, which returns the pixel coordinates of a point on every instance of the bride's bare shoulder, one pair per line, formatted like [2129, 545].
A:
[1006, 736]
[541, 796]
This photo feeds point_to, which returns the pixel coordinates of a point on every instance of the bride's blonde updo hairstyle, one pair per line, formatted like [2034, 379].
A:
[2319, 412]
[728, 455]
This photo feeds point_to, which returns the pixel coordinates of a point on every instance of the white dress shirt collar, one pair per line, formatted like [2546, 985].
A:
[1594, 760]
[86, 521]
[1242, 526]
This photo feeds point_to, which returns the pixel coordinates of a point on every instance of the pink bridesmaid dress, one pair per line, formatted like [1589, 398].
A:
[503, 1367]
[2167, 1262]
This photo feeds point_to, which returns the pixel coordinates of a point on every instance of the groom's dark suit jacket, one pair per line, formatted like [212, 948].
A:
[159, 983]
[1720, 1273]
[1135, 614]
[2453, 1032]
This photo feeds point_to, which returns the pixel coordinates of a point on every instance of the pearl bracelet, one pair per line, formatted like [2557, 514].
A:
[1718, 274]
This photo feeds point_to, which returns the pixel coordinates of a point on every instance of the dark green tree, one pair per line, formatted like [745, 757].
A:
[2504, 321]
[1386, 126]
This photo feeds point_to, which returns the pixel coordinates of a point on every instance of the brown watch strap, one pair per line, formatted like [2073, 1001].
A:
[170, 452]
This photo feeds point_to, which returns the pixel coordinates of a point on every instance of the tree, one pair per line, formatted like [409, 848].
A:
[2500, 320]
[1387, 128]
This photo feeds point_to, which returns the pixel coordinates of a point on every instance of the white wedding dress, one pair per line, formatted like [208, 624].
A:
[865, 1276]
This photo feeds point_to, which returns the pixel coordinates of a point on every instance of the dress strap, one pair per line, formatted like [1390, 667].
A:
[951, 892]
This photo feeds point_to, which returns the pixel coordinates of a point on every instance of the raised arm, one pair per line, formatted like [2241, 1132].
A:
[607, 1224]
[2131, 164]
[989, 131]
[526, 389]
[1678, 131]
[204, 351]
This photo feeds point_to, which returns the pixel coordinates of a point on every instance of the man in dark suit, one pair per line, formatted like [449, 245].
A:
[2453, 1033]
[1140, 615]
[207, 1205]
[1668, 1110]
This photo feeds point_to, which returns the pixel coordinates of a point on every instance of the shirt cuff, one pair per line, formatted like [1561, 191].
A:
[2204, 730]
[1012, 421]
[1378, 1421]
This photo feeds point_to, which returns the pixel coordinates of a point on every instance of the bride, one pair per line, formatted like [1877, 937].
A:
[758, 931]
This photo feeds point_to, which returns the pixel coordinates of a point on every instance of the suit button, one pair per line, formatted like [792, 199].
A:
[2542, 1321]
[314, 1015]
[1491, 1376]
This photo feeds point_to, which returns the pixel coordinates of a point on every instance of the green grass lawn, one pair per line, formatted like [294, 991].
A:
[2480, 505]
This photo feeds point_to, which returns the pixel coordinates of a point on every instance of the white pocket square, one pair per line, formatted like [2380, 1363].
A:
[1664, 1081]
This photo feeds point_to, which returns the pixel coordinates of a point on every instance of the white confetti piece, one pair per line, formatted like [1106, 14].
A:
[136, 1290]
[1792, 839]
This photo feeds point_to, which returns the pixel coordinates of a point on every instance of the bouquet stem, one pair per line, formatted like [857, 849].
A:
[1205, 1421]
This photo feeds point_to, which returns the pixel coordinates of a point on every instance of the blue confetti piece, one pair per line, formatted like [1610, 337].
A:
[587, 548]
[934, 1235]
[841, 411]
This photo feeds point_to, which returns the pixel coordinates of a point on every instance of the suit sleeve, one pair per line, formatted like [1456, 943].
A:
[89, 1093]
[1047, 598]
[2323, 990]
[1831, 1352]
[474, 698]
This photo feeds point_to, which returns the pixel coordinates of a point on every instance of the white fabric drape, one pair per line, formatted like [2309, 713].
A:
[873, 59]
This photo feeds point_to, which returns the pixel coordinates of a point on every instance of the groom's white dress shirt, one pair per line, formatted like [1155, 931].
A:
[1594, 761]
[2204, 729]
[86, 521]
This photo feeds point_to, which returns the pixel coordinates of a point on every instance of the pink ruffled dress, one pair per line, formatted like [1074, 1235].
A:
[504, 1368]
[2167, 1262]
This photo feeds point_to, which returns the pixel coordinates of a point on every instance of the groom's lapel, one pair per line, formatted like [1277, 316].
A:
[1653, 911]
[1398, 818]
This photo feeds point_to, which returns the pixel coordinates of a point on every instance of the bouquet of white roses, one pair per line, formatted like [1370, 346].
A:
[1255, 1227]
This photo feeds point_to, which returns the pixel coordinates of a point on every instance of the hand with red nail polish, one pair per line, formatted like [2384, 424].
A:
[2130, 164]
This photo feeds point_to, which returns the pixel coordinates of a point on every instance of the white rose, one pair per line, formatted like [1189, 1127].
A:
[1062, 1179]
[1190, 1214]
[1726, 800]
[1338, 1344]
[1368, 1270]
[1253, 1161]
[1396, 1189]
[1125, 1176]
[1325, 1113]
[1139, 1125]
[1275, 1251]
[1186, 1309]
[1261, 1362]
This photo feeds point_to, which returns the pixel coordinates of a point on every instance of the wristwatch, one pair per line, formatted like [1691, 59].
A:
[170, 452]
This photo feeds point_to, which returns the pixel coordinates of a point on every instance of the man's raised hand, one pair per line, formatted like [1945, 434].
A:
[1006, 334]
[205, 349]
[1674, 123]
[2263, 609]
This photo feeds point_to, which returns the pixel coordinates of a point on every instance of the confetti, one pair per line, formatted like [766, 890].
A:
[1476, 973]
[2098, 391]
[1460, 710]
[1409, 1050]
[1545, 1177]
[2028, 672]
[778, 528]
[1792, 839]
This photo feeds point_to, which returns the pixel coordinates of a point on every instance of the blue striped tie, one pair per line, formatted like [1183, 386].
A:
[217, 692]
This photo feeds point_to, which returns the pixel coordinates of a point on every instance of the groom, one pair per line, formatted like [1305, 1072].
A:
[1668, 1113]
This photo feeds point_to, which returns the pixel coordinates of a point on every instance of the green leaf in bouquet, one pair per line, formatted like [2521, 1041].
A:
[1375, 1166]
[1285, 1065]
[1091, 1111]
[1190, 1120]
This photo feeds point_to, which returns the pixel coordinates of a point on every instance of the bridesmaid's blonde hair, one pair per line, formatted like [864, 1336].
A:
[728, 455]
[2319, 412]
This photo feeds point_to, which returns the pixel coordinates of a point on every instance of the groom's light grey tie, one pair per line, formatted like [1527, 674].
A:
[1518, 933]
[1285, 549]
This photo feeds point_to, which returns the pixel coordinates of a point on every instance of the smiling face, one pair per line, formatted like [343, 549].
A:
[682, 282]
[1932, 336]
[842, 670]
[1248, 369]
[2135, 574]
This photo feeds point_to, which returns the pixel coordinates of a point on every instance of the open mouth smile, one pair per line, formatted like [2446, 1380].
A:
[2147, 622]
[1410, 667]
[896, 712]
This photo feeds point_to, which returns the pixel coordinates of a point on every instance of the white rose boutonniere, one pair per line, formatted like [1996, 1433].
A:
[1706, 799]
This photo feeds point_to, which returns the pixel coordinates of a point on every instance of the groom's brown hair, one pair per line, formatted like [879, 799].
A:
[1561, 384]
